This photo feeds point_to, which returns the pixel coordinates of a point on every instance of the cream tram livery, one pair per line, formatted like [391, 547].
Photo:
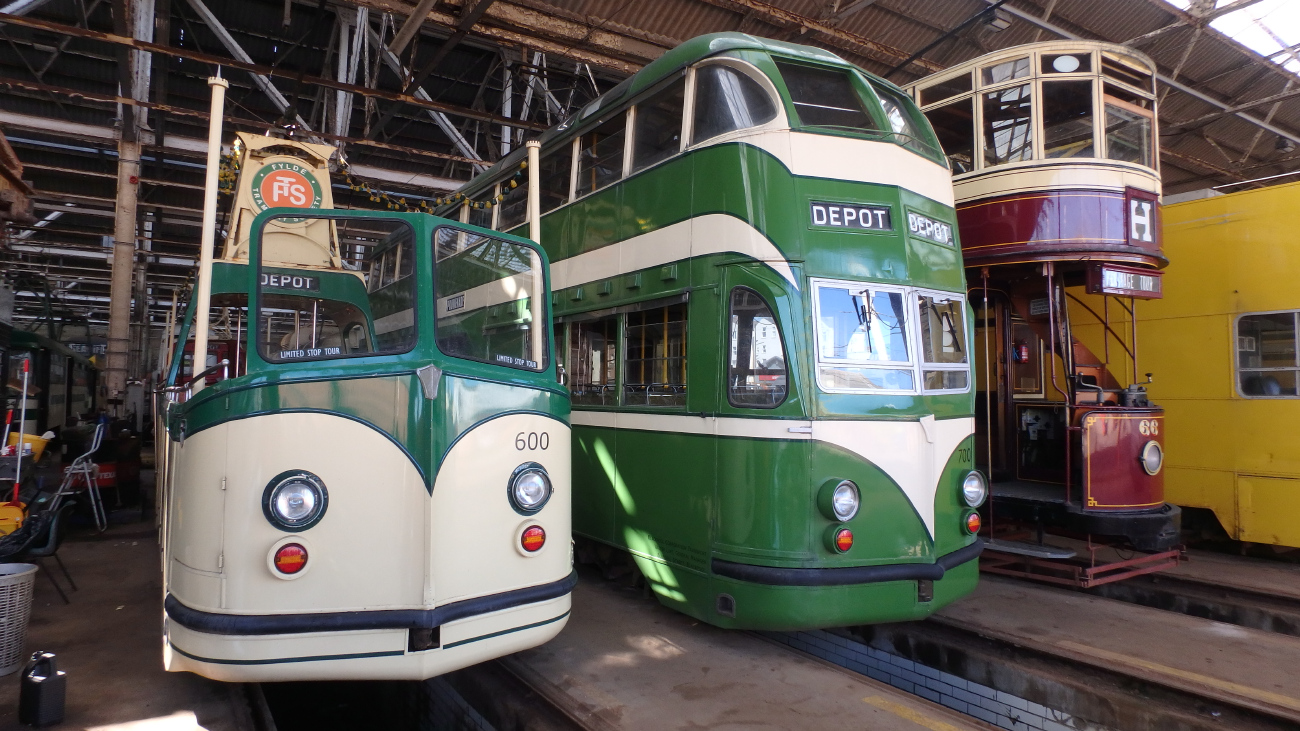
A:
[377, 486]
[1054, 158]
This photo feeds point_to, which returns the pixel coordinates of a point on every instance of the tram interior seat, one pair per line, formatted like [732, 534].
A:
[1261, 386]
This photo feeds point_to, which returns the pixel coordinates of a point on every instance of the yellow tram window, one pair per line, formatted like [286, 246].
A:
[1067, 118]
[1266, 355]
[756, 373]
[658, 133]
[593, 360]
[1008, 126]
[654, 373]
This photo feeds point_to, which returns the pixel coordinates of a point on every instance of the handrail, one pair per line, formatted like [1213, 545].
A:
[223, 365]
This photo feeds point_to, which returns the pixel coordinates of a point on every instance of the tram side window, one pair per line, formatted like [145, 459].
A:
[659, 126]
[593, 360]
[553, 178]
[600, 155]
[314, 313]
[756, 373]
[1008, 126]
[228, 333]
[1128, 126]
[654, 373]
[1266, 355]
[726, 99]
[513, 208]
[490, 301]
[1067, 118]
[946, 89]
[955, 126]
[862, 339]
[1005, 71]
[944, 357]
[900, 116]
[478, 212]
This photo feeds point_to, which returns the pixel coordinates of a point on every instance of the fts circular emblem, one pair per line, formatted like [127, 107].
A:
[286, 185]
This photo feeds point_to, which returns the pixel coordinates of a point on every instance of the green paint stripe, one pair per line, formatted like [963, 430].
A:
[280, 660]
[543, 623]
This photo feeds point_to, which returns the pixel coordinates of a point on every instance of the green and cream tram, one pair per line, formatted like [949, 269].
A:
[759, 287]
[376, 484]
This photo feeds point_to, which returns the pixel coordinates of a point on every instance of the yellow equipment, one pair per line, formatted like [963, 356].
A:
[1222, 344]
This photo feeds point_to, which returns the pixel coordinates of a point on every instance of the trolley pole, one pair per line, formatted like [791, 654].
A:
[536, 307]
[209, 232]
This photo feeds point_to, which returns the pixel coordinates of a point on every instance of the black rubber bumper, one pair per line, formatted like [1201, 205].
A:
[775, 576]
[1155, 530]
[286, 624]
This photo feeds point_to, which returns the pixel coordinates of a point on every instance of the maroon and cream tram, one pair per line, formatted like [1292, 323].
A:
[1054, 158]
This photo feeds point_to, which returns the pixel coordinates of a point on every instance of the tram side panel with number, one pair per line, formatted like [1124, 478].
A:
[761, 301]
[380, 489]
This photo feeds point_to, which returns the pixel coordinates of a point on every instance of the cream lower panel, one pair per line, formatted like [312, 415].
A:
[369, 549]
[196, 502]
[912, 454]
[713, 233]
[472, 544]
[202, 589]
[1038, 176]
[366, 655]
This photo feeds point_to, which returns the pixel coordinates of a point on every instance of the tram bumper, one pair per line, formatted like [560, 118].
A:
[1148, 530]
[384, 644]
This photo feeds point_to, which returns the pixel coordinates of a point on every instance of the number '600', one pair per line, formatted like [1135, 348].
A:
[532, 440]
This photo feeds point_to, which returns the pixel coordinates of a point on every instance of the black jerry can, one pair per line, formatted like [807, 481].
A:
[44, 689]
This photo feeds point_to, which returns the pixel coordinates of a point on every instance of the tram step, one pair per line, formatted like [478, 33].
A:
[1024, 548]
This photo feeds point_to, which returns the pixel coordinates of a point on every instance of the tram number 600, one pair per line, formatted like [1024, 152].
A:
[532, 440]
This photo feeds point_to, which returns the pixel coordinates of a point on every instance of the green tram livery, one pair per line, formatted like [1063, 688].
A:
[377, 485]
[759, 289]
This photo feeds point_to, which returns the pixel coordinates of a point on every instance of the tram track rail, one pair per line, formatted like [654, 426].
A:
[1233, 605]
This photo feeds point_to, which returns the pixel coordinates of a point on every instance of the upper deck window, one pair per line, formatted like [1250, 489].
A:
[600, 155]
[1008, 125]
[946, 89]
[727, 99]
[489, 300]
[1266, 355]
[658, 126]
[1067, 118]
[513, 208]
[553, 177]
[314, 313]
[825, 97]
[954, 124]
[1005, 71]
[1128, 126]
[1112, 67]
[899, 114]
[1067, 63]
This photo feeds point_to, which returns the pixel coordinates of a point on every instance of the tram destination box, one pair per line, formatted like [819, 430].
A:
[1122, 281]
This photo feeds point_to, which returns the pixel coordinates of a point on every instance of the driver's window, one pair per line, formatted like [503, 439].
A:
[362, 303]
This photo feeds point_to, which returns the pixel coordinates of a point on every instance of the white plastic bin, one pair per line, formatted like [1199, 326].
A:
[16, 581]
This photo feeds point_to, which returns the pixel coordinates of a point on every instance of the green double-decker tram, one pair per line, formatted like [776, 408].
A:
[759, 292]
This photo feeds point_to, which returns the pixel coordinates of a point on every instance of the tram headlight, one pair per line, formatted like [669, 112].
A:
[295, 500]
[839, 500]
[1152, 457]
[974, 489]
[529, 488]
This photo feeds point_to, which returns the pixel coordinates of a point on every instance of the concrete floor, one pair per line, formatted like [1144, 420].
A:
[108, 640]
[626, 662]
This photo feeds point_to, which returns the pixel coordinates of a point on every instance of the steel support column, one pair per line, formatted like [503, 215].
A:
[119, 307]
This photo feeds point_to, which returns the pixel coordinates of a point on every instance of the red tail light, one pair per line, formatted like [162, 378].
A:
[843, 540]
[290, 558]
[973, 523]
[533, 539]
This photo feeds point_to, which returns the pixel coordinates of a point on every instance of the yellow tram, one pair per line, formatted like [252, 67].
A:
[1223, 343]
[376, 483]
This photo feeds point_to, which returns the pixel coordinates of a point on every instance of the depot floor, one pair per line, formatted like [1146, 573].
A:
[108, 641]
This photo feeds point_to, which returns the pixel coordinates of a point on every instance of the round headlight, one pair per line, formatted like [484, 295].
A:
[974, 490]
[845, 500]
[530, 488]
[1153, 457]
[295, 500]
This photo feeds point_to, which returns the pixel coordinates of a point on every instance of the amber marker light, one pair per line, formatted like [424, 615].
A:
[973, 523]
[533, 539]
[843, 540]
[290, 558]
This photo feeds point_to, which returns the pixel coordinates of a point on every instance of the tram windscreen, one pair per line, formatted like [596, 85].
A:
[361, 304]
[943, 342]
[490, 300]
[862, 339]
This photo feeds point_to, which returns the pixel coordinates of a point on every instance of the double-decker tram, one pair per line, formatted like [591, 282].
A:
[377, 485]
[1054, 158]
[760, 292]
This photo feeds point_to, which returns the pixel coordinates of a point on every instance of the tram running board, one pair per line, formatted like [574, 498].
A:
[1024, 548]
